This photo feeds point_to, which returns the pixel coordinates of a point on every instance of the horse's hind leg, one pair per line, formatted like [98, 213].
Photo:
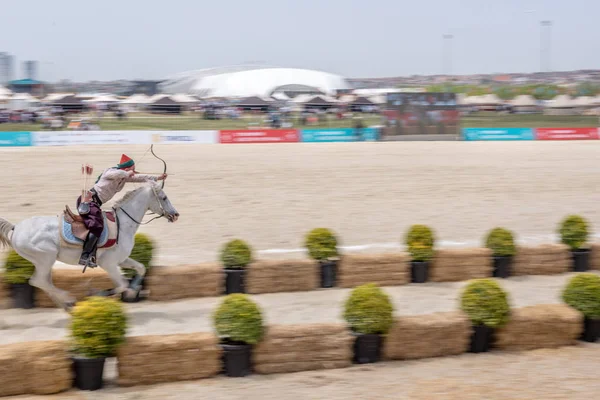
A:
[42, 279]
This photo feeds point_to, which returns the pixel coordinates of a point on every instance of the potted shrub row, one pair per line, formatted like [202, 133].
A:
[486, 305]
[322, 246]
[582, 292]
[235, 257]
[17, 272]
[238, 322]
[369, 314]
[573, 231]
[502, 243]
[98, 327]
[420, 241]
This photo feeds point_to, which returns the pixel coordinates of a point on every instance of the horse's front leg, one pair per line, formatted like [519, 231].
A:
[121, 284]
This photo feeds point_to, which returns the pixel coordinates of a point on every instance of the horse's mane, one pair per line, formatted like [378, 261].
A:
[128, 196]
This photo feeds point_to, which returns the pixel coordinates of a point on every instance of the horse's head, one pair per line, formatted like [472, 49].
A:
[161, 205]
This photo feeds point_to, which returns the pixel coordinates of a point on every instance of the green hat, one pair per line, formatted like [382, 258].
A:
[125, 162]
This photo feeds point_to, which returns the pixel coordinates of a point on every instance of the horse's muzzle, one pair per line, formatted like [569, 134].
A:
[173, 217]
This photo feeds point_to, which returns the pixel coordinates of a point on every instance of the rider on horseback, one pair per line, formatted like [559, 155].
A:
[109, 183]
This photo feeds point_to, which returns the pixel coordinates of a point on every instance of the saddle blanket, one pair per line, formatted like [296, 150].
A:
[107, 239]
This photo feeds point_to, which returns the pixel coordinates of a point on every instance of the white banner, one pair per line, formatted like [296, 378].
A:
[66, 138]
[183, 137]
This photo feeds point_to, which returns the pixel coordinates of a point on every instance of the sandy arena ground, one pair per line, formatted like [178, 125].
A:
[369, 193]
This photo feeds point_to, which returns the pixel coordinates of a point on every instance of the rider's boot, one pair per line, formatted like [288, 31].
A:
[88, 256]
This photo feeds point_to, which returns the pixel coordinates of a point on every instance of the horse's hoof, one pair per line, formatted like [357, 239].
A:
[69, 306]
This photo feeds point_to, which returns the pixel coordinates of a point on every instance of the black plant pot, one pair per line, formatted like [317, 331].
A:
[591, 330]
[234, 281]
[367, 348]
[419, 271]
[328, 273]
[481, 339]
[88, 373]
[237, 359]
[581, 260]
[502, 266]
[23, 295]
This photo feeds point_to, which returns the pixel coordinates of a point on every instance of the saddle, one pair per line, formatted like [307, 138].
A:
[73, 231]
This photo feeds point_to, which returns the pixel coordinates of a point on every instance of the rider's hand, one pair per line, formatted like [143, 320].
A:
[161, 177]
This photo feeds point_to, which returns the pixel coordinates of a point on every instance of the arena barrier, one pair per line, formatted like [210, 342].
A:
[302, 275]
[45, 367]
[476, 134]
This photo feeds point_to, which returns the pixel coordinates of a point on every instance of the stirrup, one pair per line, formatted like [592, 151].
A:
[89, 262]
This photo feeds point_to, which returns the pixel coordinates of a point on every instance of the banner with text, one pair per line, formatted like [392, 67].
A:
[498, 134]
[566, 133]
[340, 135]
[183, 137]
[67, 138]
[15, 139]
[259, 136]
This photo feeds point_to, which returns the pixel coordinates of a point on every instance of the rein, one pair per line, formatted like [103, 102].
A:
[133, 219]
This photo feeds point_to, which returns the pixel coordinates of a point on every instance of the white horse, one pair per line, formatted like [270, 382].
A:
[38, 240]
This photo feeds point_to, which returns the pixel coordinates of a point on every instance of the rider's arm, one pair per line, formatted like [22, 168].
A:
[140, 178]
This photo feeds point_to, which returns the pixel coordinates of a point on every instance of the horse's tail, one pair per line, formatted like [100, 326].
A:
[5, 228]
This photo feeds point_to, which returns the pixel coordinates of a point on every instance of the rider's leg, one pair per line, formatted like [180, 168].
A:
[94, 221]
[88, 255]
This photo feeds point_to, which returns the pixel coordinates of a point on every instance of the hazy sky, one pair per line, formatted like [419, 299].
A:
[149, 39]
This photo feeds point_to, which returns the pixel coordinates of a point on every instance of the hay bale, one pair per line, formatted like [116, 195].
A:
[5, 301]
[454, 265]
[190, 281]
[154, 359]
[390, 269]
[431, 335]
[545, 259]
[35, 368]
[273, 276]
[595, 256]
[540, 326]
[293, 348]
[76, 283]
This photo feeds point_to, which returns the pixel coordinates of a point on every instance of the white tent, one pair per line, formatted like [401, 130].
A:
[4, 91]
[561, 105]
[23, 101]
[136, 99]
[524, 100]
[184, 98]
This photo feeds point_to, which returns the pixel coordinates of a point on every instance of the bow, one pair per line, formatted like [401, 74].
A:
[164, 163]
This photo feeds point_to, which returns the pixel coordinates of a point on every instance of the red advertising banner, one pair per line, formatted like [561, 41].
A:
[566, 133]
[259, 136]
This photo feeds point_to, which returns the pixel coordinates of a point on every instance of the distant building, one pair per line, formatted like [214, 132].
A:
[31, 86]
[30, 69]
[149, 88]
[6, 68]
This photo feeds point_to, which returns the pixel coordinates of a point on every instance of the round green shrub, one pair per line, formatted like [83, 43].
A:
[573, 231]
[143, 251]
[501, 242]
[485, 302]
[17, 270]
[98, 327]
[239, 319]
[321, 244]
[369, 310]
[420, 241]
[582, 292]
[236, 254]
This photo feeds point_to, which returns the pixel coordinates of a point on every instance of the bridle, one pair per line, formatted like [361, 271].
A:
[144, 223]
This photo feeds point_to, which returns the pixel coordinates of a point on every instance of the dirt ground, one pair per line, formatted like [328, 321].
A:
[567, 373]
[369, 193]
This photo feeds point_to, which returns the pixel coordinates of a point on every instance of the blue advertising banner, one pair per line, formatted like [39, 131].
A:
[498, 134]
[340, 135]
[13, 139]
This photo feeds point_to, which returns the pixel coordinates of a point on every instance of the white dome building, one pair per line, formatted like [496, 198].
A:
[245, 81]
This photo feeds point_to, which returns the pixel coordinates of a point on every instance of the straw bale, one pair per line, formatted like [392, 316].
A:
[454, 265]
[431, 335]
[77, 284]
[35, 368]
[168, 358]
[185, 281]
[273, 276]
[388, 269]
[5, 301]
[545, 259]
[290, 348]
[540, 326]
[594, 256]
